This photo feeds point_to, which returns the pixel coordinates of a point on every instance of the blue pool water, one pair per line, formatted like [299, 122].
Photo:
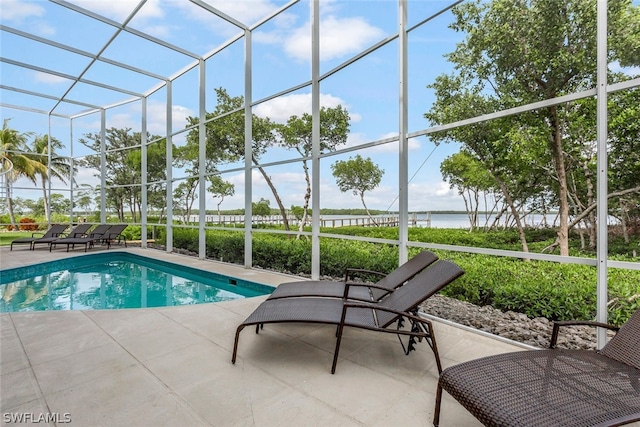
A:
[115, 280]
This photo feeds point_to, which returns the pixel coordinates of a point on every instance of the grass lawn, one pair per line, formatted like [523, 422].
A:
[6, 237]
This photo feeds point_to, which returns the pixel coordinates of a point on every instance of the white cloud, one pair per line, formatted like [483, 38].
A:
[47, 78]
[630, 71]
[157, 118]
[17, 11]
[160, 31]
[119, 10]
[283, 107]
[247, 12]
[338, 37]
[357, 138]
[433, 196]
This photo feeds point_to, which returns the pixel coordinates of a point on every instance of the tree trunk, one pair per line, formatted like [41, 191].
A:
[367, 209]
[561, 172]
[47, 213]
[12, 215]
[283, 211]
[516, 215]
[307, 196]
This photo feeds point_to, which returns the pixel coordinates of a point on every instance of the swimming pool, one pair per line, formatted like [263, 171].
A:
[116, 280]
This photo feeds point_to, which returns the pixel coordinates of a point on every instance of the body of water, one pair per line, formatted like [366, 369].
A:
[433, 220]
[116, 280]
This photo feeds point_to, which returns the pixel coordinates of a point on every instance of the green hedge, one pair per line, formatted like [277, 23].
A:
[536, 288]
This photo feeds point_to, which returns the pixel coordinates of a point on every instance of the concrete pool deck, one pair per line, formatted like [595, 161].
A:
[172, 365]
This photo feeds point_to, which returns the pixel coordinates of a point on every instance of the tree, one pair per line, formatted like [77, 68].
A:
[220, 188]
[156, 171]
[470, 178]
[508, 152]
[185, 195]
[55, 166]
[16, 162]
[84, 202]
[296, 134]
[624, 157]
[225, 139]
[123, 165]
[519, 52]
[261, 208]
[358, 175]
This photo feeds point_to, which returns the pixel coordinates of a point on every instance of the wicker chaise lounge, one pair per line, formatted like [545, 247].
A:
[114, 233]
[381, 316]
[357, 290]
[53, 232]
[554, 387]
[87, 240]
[77, 231]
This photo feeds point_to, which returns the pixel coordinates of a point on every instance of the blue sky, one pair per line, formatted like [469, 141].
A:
[368, 88]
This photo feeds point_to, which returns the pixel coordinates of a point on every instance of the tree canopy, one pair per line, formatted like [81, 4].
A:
[358, 175]
[520, 52]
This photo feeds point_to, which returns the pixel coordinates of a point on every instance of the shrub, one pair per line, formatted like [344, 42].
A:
[28, 224]
[536, 288]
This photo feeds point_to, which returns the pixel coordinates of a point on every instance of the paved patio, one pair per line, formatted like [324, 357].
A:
[171, 366]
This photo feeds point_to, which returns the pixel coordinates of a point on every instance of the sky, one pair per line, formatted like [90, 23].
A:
[368, 88]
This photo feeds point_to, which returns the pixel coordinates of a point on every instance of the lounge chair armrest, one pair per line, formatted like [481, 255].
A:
[557, 325]
[348, 285]
[349, 272]
[412, 316]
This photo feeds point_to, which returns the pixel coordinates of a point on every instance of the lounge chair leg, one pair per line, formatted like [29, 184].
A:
[235, 344]
[335, 353]
[436, 412]
[431, 340]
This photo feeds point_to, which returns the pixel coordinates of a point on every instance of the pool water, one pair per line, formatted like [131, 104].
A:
[116, 280]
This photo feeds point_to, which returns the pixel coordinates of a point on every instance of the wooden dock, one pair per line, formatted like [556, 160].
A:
[346, 221]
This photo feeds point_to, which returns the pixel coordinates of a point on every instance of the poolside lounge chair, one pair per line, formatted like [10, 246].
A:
[357, 290]
[87, 240]
[114, 233]
[393, 308]
[54, 231]
[552, 387]
[77, 231]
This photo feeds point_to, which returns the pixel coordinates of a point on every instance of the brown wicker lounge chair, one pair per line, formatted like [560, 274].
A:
[54, 231]
[87, 240]
[552, 387]
[77, 231]
[114, 233]
[392, 309]
[357, 290]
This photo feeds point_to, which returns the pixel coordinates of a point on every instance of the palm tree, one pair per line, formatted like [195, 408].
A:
[54, 166]
[13, 147]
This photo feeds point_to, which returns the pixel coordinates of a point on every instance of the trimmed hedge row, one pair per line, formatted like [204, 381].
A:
[536, 288]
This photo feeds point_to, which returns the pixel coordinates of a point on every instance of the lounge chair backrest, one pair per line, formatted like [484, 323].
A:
[116, 229]
[100, 230]
[408, 296]
[79, 230]
[625, 345]
[403, 273]
[55, 230]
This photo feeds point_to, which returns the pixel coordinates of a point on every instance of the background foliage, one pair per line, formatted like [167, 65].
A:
[536, 288]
